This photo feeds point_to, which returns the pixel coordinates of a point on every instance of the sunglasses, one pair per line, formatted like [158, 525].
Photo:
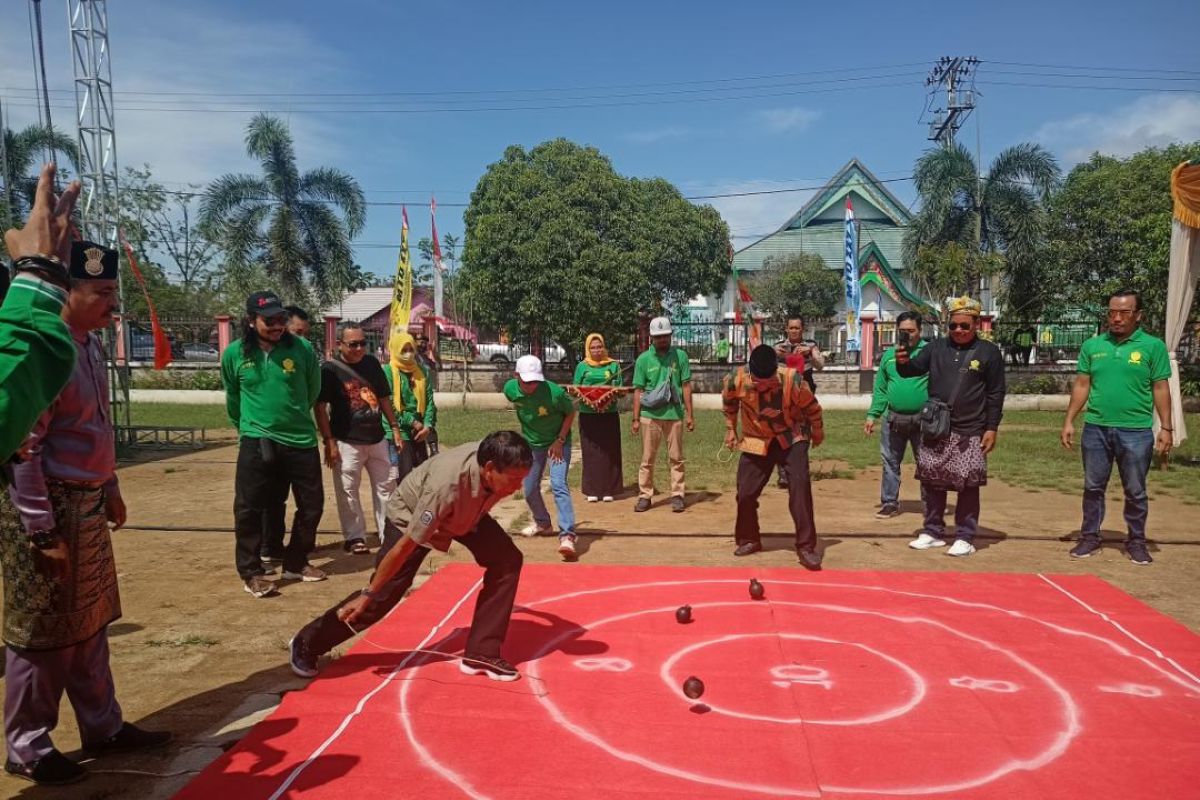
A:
[359, 345]
[273, 321]
[959, 326]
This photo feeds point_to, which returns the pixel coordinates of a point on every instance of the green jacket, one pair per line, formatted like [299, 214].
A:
[406, 411]
[271, 395]
[37, 356]
[894, 393]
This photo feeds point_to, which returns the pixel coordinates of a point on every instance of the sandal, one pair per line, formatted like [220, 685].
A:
[358, 547]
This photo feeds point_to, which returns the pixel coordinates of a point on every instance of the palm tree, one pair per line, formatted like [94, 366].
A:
[284, 221]
[1001, 213]
[24, 151]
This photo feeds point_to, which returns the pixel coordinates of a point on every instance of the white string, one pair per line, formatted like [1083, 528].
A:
[721, 451]
[444, 655]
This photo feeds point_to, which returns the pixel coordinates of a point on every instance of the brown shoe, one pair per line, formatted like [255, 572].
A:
[259, 586]
[309, 574]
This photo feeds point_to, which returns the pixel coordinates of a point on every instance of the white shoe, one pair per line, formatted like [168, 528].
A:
[566, 546]
[593, 499]
[533, 529]
[961, 547]
[608, 498]
[926, 541]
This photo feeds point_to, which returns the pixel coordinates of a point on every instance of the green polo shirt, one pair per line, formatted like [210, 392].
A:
[541, 413]
[607, 375]
[892, 392]
[271, 395]
[651, 369]
[1123, 376]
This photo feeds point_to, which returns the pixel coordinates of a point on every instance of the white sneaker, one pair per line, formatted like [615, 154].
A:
[926, 541]
[533, 529]
[608, 498]
[593, 499]
[566, 546]
[961, 547]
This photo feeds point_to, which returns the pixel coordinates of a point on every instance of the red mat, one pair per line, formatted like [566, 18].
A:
[837, 685]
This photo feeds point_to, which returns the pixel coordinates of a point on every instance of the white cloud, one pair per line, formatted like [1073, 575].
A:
[752, 215]
[655, 135]
[785, 120]
[171, 49]
[1151, 121]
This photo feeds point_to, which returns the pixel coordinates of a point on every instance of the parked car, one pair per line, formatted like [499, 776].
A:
[497, 353]
[199, 352]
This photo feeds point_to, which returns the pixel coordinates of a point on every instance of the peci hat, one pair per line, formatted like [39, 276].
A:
[529, 369]
[93, 262]
[660, 326]
[264, 304]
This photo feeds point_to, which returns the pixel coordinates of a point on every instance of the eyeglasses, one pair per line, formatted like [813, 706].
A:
[960, 326]
[1120, 313]
[359, 345]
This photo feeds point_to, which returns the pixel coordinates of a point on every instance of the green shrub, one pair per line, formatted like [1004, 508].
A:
[1038, 384]
[177, 379]
[1189, 381]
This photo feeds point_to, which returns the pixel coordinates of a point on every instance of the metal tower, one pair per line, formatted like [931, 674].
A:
[96, 127]
[957, 76]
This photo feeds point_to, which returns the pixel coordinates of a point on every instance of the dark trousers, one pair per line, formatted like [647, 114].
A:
[1133, 451]
[265, 470]
[34, 683]
[753, 474]
[493, 550]
[274, 529]
[966, 512]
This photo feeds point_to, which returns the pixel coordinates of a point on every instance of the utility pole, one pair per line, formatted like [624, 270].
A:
[956, 76]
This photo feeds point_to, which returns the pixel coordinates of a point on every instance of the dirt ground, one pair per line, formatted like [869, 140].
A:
[196, 655]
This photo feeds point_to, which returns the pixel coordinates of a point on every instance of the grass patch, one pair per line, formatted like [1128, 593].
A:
[185, 641]
[1028, 453]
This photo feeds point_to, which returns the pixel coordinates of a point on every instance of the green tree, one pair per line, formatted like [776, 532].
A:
[557, 241]
[450, 245]
[797, 285]
[285, 221]
[952, 269]
[24, 152]
[1109, 227]
[1001, 212]
[423, 268]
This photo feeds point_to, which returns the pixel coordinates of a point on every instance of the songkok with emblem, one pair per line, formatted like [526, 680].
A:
[92, 262]
[965, 305]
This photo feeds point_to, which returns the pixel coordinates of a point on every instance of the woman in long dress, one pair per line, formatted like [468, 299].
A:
[599, 423]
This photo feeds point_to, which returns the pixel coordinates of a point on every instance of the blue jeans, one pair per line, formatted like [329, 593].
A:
[1132, 449]
[558, 486]
[891, 451]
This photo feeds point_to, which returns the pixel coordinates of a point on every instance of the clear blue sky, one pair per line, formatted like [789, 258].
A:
[794, 132]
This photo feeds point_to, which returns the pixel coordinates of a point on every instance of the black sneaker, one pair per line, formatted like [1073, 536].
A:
[643, 504]
[1136, 550]
[888, 511]
[494, 667]
[810, 560]
[677, 504]
[302, 662]
[52, 769]
[128, 739]
[1087, 546]
[748, 548]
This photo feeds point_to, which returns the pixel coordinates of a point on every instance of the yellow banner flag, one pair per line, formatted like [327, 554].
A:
[402, 288]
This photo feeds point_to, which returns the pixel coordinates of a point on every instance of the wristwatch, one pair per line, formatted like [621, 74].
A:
[50, 268]
[43, 539]
[367, 593]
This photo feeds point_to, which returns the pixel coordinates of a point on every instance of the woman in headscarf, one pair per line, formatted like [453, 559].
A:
[412, 398]
[599, 422]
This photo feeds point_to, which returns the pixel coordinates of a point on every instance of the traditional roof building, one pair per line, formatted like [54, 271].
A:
[819, 228]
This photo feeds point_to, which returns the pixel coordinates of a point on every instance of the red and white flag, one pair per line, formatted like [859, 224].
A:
[437, 248]
[162, 345]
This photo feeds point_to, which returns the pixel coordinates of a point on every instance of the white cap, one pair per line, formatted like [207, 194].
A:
[660, 326]
[529, 369]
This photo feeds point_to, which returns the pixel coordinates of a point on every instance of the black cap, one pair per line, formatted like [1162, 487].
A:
[264, 304]
[763, 361]
[93, 262]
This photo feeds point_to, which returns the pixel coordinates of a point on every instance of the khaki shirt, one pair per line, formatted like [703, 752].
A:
[442, 499]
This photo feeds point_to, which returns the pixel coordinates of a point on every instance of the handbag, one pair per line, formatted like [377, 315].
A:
[935, 414]
[904, 424]
[664, 394]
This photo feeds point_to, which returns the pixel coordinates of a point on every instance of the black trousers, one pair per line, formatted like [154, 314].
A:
[493, 550]
[265, 470]
[753, 474]
[274, 530]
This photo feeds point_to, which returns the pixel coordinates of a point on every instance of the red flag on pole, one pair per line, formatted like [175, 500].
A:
[162, 345]
[437, 248]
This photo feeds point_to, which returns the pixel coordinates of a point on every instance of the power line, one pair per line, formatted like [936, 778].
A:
[1096, 68]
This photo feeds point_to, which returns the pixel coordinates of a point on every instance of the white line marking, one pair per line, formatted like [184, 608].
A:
[365, 698]
[1158, 653]
[1003, 687]
[1135, 689]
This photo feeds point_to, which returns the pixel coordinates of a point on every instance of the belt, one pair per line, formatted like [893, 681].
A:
[80, 486]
